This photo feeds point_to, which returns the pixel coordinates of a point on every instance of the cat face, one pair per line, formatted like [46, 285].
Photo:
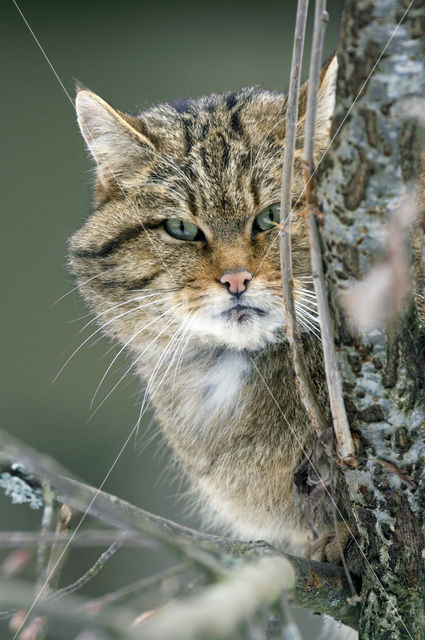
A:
[184, 237]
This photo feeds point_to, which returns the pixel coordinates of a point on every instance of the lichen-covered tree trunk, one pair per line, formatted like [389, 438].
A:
[373, 161]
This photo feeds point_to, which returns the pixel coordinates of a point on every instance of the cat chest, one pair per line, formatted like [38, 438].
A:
[220, 385]
[204, 400]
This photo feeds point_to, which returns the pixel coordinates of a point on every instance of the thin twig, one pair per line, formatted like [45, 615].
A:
[319, 586]
[46, 521]
[57, 557]
[88, 575]
[344, 440]
[91, 538]
[74, 586]
[303, 377]
[116, 619]
[180, 540]
[36, 627]
[145, 583]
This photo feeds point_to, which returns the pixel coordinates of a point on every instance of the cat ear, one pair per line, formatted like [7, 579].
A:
[325, 103]
[112, 137]
[326, 98]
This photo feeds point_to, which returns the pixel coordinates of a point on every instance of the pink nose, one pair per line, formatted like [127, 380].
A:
[236, 281]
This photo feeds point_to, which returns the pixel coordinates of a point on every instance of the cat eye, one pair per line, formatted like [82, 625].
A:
[183, 230]
[267, 218]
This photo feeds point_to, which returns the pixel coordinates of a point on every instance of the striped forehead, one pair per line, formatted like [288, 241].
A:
[223, 185]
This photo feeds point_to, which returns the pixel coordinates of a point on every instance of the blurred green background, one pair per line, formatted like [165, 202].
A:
[133, 54]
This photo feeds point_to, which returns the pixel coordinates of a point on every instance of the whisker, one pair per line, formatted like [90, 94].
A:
[74, 320]
[124, 347]
[129, 369]
[143, 406]
[309, 292]
[161, 360]
[185, 330]
[136, 299]
[140, 445]
[183, 333]
[305, 311]
[308, 328]
[307, 325]
[308, 318]
[91, 336]
[138, 358]
[190, 334]
[152, 378]
[302, 305]
[78, 287]
[306, 298]
[161, 290]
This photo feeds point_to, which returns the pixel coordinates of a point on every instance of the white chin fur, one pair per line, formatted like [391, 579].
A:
[253, 332]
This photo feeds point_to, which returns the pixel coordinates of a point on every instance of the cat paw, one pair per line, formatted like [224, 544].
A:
[329, 545]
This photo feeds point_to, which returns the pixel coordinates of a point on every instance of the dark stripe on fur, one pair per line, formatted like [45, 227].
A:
[205, 130]
[113, 245]
[141, 283]
[191, 202]
[235, 122]
[230, 101]
[182, 105]
[154, 139]
[254, 191]
[187, 136]
[204, 158]
[225, 153]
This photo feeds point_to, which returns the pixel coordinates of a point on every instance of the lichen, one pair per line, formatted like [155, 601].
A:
[19, 490]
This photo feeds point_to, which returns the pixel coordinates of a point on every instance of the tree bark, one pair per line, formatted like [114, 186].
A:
[374, 159]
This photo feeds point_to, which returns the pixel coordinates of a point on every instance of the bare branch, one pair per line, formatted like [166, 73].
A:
[145, 583]
[90, 538]
[341, 427]
[88, 575]
[48, 596]
[57, 552]
[46, 520]
[303, 377]
[318, 586]
[71, 610]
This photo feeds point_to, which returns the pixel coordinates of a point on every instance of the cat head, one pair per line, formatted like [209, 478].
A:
[184, 234]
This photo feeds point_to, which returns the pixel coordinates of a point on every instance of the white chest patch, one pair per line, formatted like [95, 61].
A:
[224, 380]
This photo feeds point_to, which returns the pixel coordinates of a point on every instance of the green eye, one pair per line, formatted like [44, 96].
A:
[268, 218]
[183, 230]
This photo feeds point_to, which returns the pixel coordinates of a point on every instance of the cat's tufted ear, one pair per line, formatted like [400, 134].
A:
[326, 98]
[113, 138]
[325, 104]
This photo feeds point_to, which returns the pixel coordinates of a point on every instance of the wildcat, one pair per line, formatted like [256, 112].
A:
[180, 261]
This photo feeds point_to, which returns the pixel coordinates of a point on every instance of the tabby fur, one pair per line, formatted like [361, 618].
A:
[222, 386]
